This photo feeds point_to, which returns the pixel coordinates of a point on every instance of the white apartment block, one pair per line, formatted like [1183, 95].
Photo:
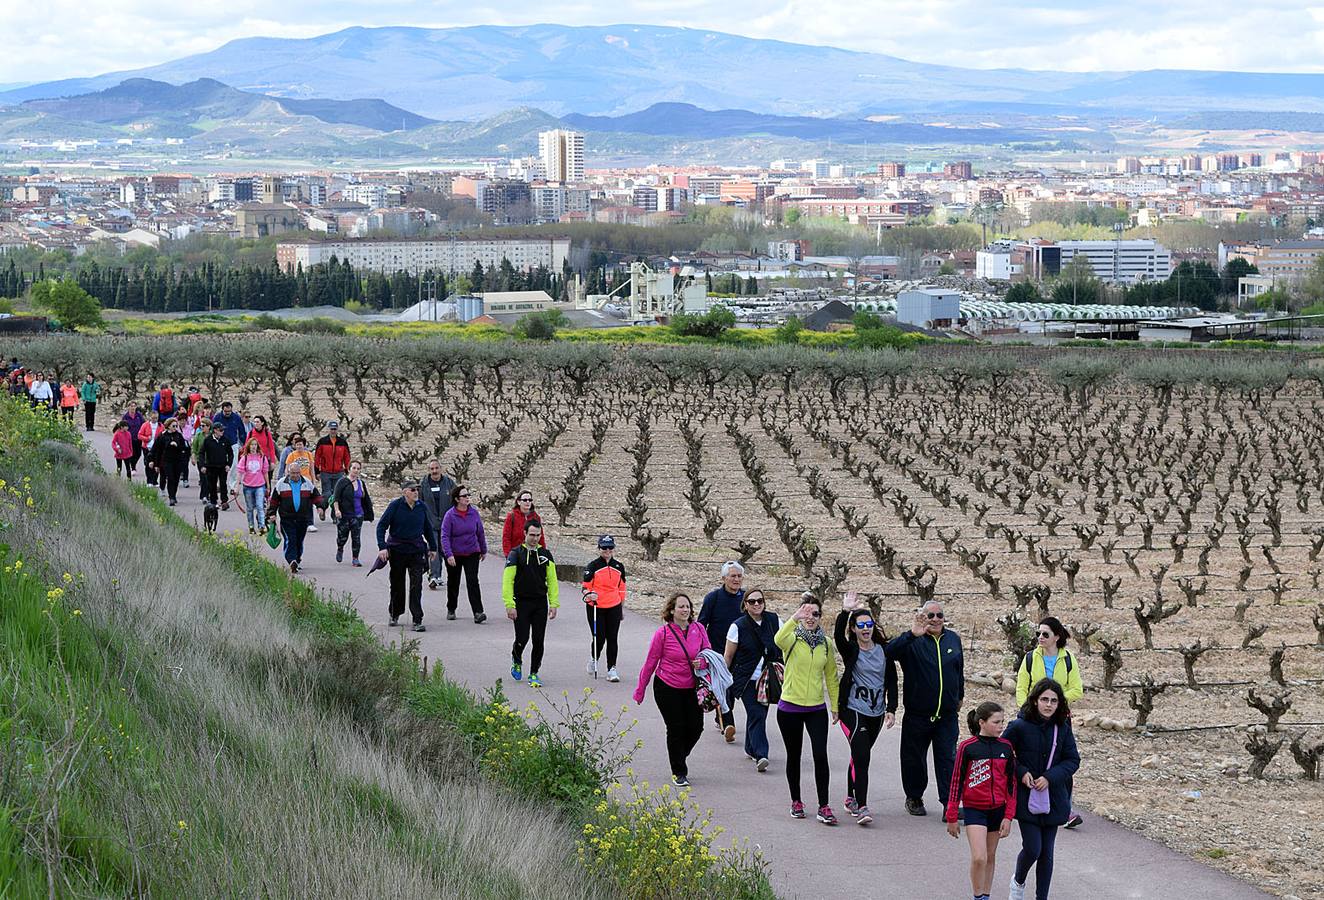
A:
[562, 155]
[1116, 262]
[370, 195]
[455, 256]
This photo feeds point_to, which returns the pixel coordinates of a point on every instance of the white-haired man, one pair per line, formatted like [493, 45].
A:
[722, 606]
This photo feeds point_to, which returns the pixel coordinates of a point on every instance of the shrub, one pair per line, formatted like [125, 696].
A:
[541, 326]
[658, 844]
[710, 324]
[267, 322]
[317, 325]
[789, 331]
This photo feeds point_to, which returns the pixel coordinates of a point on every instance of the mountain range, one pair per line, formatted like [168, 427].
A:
[475, 72]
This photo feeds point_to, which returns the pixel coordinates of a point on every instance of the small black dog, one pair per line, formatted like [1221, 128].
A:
[210, 516]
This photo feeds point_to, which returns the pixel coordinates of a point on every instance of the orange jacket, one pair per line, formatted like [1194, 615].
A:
[606, 577]
[68, 396]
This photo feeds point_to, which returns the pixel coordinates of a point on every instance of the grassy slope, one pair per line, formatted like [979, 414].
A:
[168, 729]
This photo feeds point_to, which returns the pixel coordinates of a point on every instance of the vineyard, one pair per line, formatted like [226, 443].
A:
[1169, 509]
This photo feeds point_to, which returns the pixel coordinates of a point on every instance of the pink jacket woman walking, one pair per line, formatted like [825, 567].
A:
[673, 657]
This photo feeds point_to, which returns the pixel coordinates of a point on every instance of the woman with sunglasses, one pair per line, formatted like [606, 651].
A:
[810, 669]
[867, 696]
[512, 533]
[932, 660]
[1050, 658]
[751, 651]
[1046, 760]
[464, 545]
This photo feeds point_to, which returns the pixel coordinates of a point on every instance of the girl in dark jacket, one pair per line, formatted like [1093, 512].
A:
[354, 507]
[1046, 759]
[866, 700]
[170, 458]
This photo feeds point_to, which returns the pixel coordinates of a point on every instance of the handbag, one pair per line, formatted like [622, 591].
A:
[707, 700]
[1040, 803]
[273, 539]
[768, 690]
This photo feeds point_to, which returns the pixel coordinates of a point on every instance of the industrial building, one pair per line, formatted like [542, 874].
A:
[1116, 262]
[928, 307]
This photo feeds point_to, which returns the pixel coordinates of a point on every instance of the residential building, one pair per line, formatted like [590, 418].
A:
[892, 170]
[562, 155]
[508, 200]
[962, 171]
[257, 220]
[1287, 260]
[419, 256]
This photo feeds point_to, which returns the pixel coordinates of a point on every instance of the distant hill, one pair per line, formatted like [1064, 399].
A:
[476, 72]
[687, 120]
[180, 110]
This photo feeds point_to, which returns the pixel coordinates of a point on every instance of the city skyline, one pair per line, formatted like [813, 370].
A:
[1082, 36]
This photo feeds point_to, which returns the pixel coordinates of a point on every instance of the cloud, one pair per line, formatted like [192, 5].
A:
[71, 38]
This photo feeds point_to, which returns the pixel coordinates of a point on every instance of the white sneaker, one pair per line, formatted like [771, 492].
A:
[611, 674]
[1016, 891]
[592, 667]
[312, 527]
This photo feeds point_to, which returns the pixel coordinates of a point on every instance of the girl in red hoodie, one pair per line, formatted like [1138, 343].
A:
[984, 786]
[121, 443]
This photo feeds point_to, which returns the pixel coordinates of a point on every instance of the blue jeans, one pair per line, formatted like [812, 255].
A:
[756, 725]
[255, 498]
[294, 531]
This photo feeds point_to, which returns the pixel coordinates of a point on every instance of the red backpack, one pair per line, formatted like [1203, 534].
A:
[167, 403]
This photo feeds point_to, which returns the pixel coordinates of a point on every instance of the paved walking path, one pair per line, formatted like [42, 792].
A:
[899, 856]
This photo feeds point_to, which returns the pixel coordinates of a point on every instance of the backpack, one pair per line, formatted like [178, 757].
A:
[1028, 663]
[166, 401]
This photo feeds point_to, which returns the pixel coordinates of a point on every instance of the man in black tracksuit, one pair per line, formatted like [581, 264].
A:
[406, 543]
[531, 596]
[934, 667]
[214, 458]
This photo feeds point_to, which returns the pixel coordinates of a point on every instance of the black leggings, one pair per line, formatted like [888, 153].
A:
[793, 725]
[1036, 850]
[684, 721]
[609, 626]
[468, 564]
[861, 731]
[213, 485]
[530, 619]
[169, 477]
[125, 466]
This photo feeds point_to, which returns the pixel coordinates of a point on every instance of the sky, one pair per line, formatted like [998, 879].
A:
[71, 38]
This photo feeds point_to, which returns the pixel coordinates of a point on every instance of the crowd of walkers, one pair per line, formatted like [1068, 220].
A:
[1017, 767]
[703, 659]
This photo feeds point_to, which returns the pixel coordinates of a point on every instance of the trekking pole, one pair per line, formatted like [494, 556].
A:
[593, 639]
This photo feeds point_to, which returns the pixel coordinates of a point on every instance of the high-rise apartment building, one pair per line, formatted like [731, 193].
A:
[562, 154]
[963, 170]
[892, 170]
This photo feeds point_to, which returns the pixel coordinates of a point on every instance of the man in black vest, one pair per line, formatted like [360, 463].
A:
[435, 491]
[750, 648]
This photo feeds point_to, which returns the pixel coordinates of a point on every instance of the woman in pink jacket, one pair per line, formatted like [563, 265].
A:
[121, 443]
[674, 655]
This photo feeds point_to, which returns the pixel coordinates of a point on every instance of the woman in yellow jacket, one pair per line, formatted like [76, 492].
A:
[810, 669]
[1051, 659]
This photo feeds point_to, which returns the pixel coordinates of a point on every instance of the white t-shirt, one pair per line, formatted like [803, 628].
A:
[733, 635]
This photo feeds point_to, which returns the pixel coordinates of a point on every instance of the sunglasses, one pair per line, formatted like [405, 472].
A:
[463, 496]
[1046, 634]
[936, 615]
[752, 601]
[814, 615]
[864, 623]
[525, 499]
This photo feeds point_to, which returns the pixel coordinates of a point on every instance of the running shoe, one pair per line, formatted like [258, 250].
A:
[340, 554]
[915, 807]
[395, 620]
[825, 815]
[1075, 820]
[356, 564]
[517, 670]
[762, 764]
[863, 816]
[592, 666]
[679, 781]
[450, 616]
[294, 567]
[1017, 891]
[419, 626]
[851, 806]
[432, 584]
[535, 681]
[797, 810]
[310, 527]
[480, 618]
[612, 674]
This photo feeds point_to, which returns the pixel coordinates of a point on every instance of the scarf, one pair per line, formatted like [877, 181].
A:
[811, 638]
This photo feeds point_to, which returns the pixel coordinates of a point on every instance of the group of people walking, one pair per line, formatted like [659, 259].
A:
[1019, 769]
[64, 397]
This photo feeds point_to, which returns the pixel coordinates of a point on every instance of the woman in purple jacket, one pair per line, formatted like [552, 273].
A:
[464, 544]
